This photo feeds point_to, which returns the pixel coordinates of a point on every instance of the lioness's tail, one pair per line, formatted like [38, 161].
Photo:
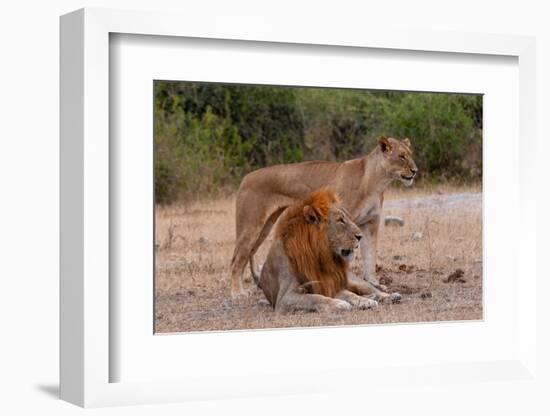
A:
[266, 229]
[256, 277]
[256, 280]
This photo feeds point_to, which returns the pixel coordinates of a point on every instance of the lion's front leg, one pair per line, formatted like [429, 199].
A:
[363, 288]
[356, 300]
[294, 300]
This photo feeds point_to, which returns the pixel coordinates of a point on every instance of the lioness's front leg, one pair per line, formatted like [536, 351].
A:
[356, 300]
[368, 251]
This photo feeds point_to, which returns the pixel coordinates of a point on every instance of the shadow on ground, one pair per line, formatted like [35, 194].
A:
[51, 390]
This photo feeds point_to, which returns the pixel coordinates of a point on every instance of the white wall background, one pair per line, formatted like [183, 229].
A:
[29, 102]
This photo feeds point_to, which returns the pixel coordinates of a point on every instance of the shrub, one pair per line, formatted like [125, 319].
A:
[443, 132]
[208, 136]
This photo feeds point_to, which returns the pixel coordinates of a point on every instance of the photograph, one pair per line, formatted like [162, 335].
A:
[303, 206]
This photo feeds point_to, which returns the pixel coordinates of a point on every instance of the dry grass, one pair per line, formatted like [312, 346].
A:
[194, 245]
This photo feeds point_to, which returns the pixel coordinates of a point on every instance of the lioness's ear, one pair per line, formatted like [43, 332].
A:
[311, 215]
[384, 143]
[406, 142]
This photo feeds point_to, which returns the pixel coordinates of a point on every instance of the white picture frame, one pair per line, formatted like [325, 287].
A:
[86, 356]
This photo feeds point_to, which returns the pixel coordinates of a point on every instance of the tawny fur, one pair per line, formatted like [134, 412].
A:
[307, 265]
[360, 183]
[307, 245]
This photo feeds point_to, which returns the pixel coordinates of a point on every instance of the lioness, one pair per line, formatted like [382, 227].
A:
[307, 264]
[360, 183]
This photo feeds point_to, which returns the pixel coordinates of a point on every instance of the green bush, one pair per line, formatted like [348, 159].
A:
[443, 132]
[208, 136]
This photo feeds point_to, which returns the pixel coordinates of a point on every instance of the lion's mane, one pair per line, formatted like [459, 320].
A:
[306, 244]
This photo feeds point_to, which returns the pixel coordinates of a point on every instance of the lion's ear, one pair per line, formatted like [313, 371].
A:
[384, 143]
[311, 215]
[406, 142]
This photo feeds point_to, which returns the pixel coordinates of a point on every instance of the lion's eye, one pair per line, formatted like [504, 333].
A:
[341, 221]
[402, 158]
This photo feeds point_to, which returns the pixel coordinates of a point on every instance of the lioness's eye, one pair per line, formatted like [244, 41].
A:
[402, 157]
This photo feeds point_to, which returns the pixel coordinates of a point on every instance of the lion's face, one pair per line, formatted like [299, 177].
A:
[398, 160]
[343, 234]
[319, 239]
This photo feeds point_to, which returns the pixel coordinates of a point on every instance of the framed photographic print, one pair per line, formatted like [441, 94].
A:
[234, 157]
[231, 202]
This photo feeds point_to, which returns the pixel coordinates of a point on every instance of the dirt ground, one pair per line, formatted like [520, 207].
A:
[434, 260]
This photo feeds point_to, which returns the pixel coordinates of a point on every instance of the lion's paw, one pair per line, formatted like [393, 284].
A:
[379, 297]
[381, 287]
[366, 303]
[341, 305]
[373, 281]
[396, 297]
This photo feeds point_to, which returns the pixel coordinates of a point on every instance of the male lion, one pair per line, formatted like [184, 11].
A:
[360, 183]
[307, 265]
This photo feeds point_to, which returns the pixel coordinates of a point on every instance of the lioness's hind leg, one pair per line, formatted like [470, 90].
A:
[248, 242]
[238, 263]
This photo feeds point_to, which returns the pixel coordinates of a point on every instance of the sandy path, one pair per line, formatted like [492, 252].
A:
[466, 200]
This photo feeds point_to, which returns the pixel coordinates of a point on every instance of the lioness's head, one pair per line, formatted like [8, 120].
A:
[343, 235]
[398, 160]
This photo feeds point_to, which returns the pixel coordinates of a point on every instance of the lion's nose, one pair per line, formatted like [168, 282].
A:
[358, 236]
